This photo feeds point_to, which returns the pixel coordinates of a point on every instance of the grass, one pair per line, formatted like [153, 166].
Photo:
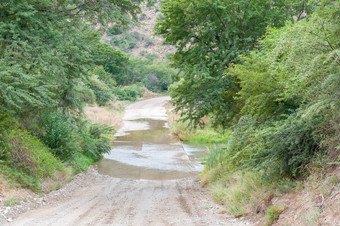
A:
[12, 201]
[110, 115]
[206, 135]
[272, 215]
[242, 191]
[81, 163]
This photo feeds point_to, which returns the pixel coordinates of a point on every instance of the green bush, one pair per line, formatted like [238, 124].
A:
[289, 146]
[114, 30]
[155, 75]
[96, 139]
[29, 155]
[80, 163]
[124, 42]
[129, 93]
[6, 123]
[272, 214]
[69, 138]
[101, 83]
[59, 133]
[148, 42]
[281, 149]
[20, 178]
[28, 161]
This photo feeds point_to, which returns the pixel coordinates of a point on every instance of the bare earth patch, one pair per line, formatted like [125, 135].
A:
[318, 205]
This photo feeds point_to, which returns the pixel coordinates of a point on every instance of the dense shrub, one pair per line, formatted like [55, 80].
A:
[101, 83]
[289, 146]
[124, 42]
[129, 93]
[59, 133]
[95, 140]
[68, 137]
[6, 123]
[280, 148]
[155, 75]
[288, 98]
[114, 30]
[28, 154]
[27, 161]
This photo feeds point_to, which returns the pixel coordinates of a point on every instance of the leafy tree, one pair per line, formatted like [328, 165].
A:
[209, 36]
[46, 48]
[47, 63]
[289, 98]
[155, 75]
[102, 83]
[113, 61]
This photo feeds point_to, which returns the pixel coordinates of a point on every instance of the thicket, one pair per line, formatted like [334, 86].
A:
[154, 75]
[271, 76]
[52, 64]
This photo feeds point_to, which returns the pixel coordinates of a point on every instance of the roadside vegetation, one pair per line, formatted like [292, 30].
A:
[204, 135]
[273, 81]
[62, 90]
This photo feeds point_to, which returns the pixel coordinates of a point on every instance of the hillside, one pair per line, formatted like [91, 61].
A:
[142, 37]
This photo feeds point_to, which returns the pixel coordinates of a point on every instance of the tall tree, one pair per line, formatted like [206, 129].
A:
[209, 36]
[46, 48]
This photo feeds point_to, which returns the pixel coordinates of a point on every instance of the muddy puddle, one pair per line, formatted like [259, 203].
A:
[147, 150]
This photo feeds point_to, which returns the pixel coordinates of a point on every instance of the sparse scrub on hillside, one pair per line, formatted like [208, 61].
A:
[124, 41]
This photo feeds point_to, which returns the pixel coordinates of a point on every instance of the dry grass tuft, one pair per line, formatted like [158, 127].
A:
[59, 179]
[10, 194]
[110, 115]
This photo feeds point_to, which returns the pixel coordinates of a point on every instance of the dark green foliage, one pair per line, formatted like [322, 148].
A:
[124, 42]
[114, 63]
[129, 93]
[59, 133]
[27, 161]
[95, 139]
[101, 83]
[114, 30]
[19, 178]
[282, 148]
[6, 123]
[289, 146]
[29, 155]
[68, 137]
[288, 99]
[210, 36]
[155, 75]
[51, 64]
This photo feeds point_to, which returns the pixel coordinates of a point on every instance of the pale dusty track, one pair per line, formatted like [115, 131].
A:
[104, 200]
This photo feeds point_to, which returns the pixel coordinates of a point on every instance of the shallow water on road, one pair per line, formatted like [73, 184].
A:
[147, 150]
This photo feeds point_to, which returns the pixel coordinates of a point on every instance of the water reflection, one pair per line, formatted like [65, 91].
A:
[150, 152]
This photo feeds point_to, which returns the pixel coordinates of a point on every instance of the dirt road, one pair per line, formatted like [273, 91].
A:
[132, 200]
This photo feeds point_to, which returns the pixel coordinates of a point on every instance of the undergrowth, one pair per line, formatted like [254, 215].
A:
[205, 135]
[40, 159]
[272, 214]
